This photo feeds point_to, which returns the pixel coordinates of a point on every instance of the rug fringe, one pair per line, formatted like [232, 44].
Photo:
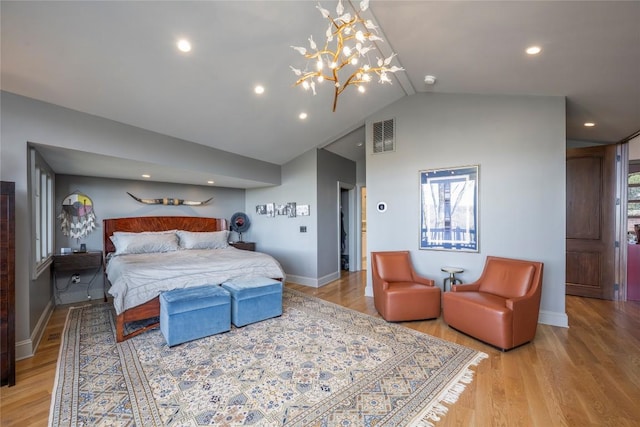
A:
[434, 412]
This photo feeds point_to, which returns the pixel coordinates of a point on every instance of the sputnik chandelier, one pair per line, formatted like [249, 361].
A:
[344, 58]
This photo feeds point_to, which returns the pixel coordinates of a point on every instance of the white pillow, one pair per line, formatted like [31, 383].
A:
[203, 239]
[142, 233]
[145, 242]
[117, 234]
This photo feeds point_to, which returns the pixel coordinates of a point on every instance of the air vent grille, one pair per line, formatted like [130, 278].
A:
[384, 136]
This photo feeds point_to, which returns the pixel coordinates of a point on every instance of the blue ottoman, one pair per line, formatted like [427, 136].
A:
[191, 313]
[254, 299]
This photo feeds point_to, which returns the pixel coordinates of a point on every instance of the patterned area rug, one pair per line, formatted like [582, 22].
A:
[318, 364]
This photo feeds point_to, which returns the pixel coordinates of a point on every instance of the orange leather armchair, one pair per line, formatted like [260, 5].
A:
[501, 307]
[399, 293]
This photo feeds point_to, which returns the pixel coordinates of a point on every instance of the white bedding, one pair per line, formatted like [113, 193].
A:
[138, 278]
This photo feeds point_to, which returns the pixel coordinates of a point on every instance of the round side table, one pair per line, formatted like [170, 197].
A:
[452, 276]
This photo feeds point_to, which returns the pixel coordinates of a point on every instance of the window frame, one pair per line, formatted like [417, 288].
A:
[41, 187]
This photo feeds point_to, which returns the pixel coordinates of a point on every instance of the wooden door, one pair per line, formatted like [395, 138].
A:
[590, 245]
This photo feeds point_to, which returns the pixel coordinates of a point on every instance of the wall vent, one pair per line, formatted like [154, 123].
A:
[384, 139]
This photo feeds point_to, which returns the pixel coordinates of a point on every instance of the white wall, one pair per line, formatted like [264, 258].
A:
[634, 148]
[518, 143]
[280, 236]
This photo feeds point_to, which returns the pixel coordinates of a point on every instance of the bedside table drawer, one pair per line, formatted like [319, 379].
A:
[247, 246]
[77, 261]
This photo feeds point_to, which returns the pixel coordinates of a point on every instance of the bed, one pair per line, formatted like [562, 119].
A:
[145, 267]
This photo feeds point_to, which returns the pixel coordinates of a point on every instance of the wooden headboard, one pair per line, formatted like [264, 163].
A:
[158, 223]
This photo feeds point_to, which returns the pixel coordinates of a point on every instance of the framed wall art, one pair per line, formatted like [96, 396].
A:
[291, 209]
[449, 209]
[302, 210]
[271, 209]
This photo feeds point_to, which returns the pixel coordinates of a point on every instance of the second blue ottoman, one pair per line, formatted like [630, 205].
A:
[254, 299]
[191, 313]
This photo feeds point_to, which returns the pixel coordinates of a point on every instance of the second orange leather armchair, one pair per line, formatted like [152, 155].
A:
[501, 307]
[399, 293]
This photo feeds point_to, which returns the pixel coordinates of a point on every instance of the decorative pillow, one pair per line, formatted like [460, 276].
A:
[204, 239]
[145, 242]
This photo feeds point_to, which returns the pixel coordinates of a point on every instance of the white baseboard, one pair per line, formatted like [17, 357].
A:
[302, 280]
[368, 291]
[27, 348]
[24, 349]
[553, 318]
[313, 282]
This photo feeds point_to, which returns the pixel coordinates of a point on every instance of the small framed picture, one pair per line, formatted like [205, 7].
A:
[302, 210]
[291, 209]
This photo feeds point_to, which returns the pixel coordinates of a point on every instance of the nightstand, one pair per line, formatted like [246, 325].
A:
[77, 262]
[247, 246]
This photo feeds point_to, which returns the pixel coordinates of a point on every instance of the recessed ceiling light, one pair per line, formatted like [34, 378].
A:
[184, 45]
[145, 175]
[210, 182]
[302, 116]
[259, 90]
[534, 50]
[589, 124]
[359, 144]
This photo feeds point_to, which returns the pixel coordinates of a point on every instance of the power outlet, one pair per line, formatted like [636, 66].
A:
[75, 278]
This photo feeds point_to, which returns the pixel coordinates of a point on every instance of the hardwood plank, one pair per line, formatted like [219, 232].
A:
[588, 374]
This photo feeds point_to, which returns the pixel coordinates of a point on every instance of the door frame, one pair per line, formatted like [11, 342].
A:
[622, 182]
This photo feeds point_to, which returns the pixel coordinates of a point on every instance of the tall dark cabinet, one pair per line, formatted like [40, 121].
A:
[7, 285]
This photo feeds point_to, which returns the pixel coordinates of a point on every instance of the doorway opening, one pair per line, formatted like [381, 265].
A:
[633, 223]
[346, 227]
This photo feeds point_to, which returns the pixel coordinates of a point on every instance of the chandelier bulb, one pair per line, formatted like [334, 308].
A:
[333, 65]
[305, 85]
[320, 78]
[361, 89]
[354, 61]
[319, 64]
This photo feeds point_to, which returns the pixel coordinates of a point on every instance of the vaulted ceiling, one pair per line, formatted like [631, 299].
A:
[119, 60]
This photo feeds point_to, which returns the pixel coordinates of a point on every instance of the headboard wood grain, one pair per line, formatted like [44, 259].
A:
[158, 223]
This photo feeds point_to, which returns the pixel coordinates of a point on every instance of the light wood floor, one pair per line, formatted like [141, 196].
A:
[584, 375]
